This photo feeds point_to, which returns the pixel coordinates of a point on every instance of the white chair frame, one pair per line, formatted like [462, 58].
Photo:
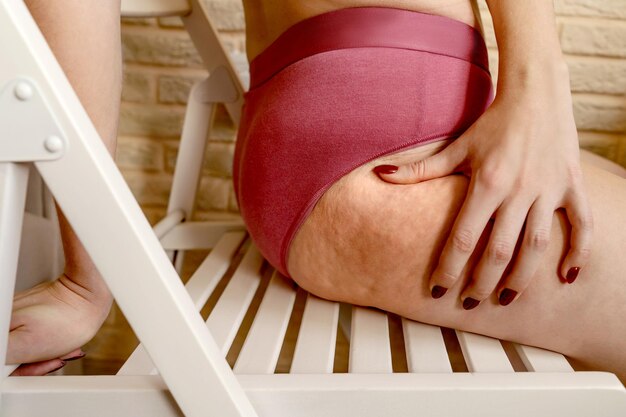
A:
[193, 377]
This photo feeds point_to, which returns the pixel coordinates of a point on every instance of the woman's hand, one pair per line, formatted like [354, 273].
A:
[522, 158]
[50, 322]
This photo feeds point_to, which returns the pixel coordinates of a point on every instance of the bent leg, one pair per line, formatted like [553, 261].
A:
[55, 318]
[376, 244]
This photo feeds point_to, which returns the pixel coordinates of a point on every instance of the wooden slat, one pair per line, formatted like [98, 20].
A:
[370, 350]
[200, 286]
[483, 354]
[425, 348]
[260, 351]
[315, 347]
[540, 360]
[230, 309]
[6, 371]
[202, 283]
[199, 235]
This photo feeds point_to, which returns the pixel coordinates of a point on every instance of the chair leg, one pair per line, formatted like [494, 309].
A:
[13, 182]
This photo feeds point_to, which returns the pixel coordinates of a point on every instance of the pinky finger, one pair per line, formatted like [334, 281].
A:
[39, 368]
[581, 219]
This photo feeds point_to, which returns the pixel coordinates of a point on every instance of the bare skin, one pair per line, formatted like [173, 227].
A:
[343, 253]
[92, 62]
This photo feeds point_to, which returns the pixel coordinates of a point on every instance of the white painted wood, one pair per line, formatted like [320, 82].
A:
[425, 350]
[155, 8]
[541, 360]
[483, 354]
[207, 42]
[13, 181]
[399, 395]
[200, 286]
[370, 349]
[228, 313]
[202, 283]
[121, 243]
[199, 235]
[167, 223]
[261, 348]
[317, 337]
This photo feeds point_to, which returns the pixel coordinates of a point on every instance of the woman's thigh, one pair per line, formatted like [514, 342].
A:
[375, 244]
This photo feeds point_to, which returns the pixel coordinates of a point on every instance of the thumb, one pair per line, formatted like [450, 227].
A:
[435, 166]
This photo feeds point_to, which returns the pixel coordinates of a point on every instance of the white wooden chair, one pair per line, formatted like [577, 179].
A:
[193, 376]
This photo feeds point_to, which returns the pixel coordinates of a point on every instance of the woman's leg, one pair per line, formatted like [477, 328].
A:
[54, 319]
[375, 244]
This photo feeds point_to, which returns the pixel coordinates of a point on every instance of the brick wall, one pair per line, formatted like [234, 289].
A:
[161, 65]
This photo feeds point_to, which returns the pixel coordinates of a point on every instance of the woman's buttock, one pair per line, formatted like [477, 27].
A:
[365, 239]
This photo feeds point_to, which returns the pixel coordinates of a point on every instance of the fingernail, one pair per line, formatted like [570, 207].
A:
[438, 291]
[506, 296]
[470, 303]
[56, 369]
[80, 356]
[386, 169]
[572, 274]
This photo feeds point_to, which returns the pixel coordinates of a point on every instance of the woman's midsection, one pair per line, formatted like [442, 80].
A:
[267, 19]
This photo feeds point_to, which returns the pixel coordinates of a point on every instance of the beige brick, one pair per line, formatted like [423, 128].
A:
[154, 214]
[219, 159]
[592, 8]
[213, 194]
[600, 113]
[489, 32]
[171, 22]
[605, 38]
[139, 154]
[621, 157]
[597, 75]
[227, 14]
[154, 121]
[138, 21]
[234, 41]
[172, 48]
[149, 189]
[171, 151]
[175, 89]
[222, 128]
[137, 87]
[493, 64]
[232, 202]
[603, 144]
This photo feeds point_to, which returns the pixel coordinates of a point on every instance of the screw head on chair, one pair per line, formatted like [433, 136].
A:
[53, 144]
[23, 91]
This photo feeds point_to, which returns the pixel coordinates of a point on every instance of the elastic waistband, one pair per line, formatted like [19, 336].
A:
[362, 27]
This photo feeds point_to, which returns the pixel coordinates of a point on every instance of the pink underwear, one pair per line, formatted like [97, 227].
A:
[338, 90]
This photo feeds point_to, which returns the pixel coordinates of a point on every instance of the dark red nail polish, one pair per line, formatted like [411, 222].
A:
[572, 274]
[56, 369]
[82, 355]
[470, 303]
[506, 296]
[438, 291]
[386, 169]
